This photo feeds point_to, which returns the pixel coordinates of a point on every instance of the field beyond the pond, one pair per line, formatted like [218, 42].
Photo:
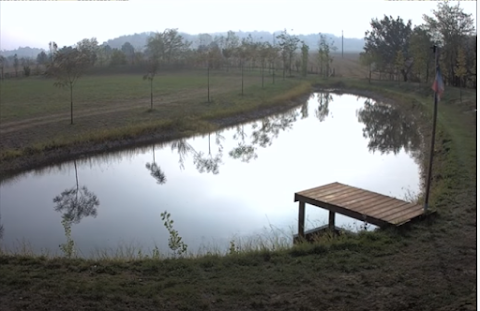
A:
[36, 115]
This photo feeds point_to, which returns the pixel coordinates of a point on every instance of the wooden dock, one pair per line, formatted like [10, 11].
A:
[364, 205]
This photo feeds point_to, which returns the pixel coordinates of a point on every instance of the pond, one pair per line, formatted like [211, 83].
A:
[237, 182]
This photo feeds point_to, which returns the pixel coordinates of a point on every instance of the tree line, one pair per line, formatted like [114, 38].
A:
[397, 51]
[173, 51]
[169, 50]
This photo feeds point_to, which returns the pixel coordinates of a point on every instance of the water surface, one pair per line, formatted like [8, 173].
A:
[232, 183]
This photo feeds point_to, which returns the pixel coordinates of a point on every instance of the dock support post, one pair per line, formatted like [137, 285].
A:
[331, 221]
[301, 220]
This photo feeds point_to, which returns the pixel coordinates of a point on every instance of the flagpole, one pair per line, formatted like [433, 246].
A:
[432, 145]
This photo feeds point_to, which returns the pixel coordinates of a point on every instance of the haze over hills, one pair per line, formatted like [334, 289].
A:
[139, 40]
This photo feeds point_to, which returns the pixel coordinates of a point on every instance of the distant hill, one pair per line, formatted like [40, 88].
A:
[139, 40]
[22, 52]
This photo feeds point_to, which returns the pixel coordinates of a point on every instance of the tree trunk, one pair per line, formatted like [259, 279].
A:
[242, 78]
[71, 103]
[263, 69]
[208, 82]
[151, 94]
[427, 73]
[273, 73]
[76, 173]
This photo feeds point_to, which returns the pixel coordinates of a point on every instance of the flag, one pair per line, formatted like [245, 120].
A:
[438, 86]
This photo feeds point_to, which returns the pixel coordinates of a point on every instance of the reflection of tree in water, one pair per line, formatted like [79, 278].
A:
[203, 162]
[76, 202]
[264, 132]
[183, 148]
[304, 108]
[389, 128]
[243, 151]
[209, 163]
[1, 227]
[270, 128]
[156, 171]
[322, 111]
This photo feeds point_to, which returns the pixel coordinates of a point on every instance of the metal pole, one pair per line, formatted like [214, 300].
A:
[432, 145]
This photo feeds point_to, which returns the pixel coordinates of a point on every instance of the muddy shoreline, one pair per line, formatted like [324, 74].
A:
[21, 164]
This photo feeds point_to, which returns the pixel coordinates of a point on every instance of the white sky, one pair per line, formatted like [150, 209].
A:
[35, 23]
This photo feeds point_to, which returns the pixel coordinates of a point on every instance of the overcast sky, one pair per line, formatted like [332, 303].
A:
[35, 23]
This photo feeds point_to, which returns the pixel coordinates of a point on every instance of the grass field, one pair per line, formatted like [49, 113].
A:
[36, 116]
[430, 265]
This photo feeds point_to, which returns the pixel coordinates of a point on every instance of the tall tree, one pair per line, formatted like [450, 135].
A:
[241, 53]
[473, 70]
[152, 72]
[419, 48]
[273, 54]
[42, 58]
[68, 65]
[2, 65]
[387, 37]
[204, 39]
[367, 59]
[15, 64]
[88, 48]
[166, 47]
[325, 58]
[52, 49]
[449, 27]
[288, 44]
[399, 63]
[231, 46]
[461, 69]
[129, 51]
[117, 58]
[104, 54]
[263, 54]
[304, 59]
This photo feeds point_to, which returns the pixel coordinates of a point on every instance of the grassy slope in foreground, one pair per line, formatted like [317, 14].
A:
[431, 266]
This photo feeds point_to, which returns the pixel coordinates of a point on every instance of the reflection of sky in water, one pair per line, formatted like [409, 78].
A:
[242, 199]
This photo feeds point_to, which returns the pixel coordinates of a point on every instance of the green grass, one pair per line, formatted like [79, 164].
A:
[428, 265]
[101, 115]
[37, 96]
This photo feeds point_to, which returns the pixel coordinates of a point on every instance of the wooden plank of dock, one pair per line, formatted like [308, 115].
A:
[364, 205]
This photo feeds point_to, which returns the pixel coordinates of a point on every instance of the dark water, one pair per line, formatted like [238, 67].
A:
[233, 183]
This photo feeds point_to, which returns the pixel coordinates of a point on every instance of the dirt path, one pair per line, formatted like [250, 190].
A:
[13, 126]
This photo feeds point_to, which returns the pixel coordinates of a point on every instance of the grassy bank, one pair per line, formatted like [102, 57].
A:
[111, 113]
[429, 265]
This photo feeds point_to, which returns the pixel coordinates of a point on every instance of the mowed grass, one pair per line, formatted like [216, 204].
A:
[36, 115]
[37, 96]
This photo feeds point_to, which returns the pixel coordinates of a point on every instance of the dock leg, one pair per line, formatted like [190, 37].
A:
[301, 220]
[331, 221]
